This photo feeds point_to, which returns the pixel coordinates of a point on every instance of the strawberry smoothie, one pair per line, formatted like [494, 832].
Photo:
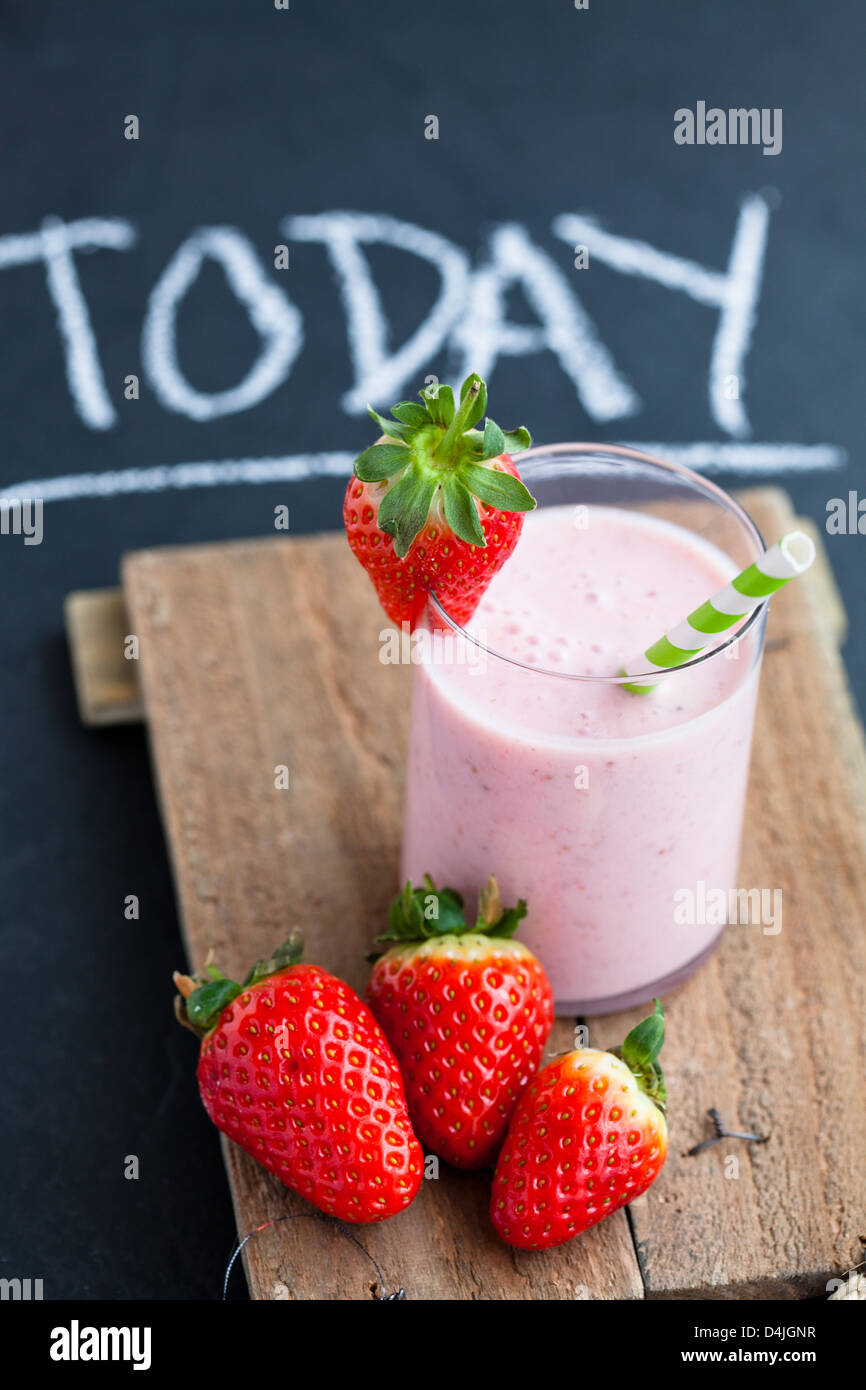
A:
[593, 803]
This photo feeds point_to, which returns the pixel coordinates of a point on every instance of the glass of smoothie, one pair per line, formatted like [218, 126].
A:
[607, 809]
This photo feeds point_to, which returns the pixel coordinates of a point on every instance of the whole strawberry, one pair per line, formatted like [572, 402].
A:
[296, 1070]
[467, 1013]
[437, 505]
[587, 1138]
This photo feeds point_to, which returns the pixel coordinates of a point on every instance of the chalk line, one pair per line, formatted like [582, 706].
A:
[749, 457]
[179, 476]
[754, 459]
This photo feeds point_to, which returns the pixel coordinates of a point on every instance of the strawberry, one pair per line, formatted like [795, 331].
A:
[437, 505]
[296, 1070]
[467, 1013]
[587, 1137]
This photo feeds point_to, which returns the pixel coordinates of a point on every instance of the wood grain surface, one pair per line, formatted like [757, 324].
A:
[247, 664]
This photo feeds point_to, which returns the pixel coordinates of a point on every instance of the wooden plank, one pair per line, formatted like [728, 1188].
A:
[247, 662]
[106, 684]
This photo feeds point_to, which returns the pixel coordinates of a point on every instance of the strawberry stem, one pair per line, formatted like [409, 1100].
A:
[640, 1053]
[460, 423]
[490, 903]
[184, 984]
[437, 452]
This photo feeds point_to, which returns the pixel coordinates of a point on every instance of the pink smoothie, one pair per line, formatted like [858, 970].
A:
[593, 803]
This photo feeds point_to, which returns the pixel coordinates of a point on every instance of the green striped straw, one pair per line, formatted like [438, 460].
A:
[792, 555]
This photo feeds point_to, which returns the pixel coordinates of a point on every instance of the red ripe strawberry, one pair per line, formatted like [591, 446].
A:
[587, 1138]
[468, 1014]
[296, 1070]
[438, 504]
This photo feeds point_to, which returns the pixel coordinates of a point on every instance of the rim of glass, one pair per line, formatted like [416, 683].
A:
[620, 452]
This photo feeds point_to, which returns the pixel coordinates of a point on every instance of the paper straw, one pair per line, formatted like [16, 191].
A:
[792, 555]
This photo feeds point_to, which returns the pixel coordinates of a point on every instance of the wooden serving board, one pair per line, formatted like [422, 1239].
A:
[247, 663]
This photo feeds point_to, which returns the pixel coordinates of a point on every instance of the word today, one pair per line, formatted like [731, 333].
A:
[469, 318]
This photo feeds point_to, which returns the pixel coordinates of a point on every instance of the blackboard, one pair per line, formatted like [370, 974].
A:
[224, 226]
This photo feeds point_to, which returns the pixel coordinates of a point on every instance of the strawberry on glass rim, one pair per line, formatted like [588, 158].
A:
[436, 504]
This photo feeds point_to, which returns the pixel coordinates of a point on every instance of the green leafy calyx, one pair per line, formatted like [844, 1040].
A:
[435, 448]
[203, 998]
[418, 914]
[640, 1053]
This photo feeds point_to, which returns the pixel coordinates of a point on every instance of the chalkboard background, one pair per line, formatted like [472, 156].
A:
[249, 115]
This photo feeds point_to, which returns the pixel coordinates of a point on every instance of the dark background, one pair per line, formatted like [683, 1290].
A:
[247, 115]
